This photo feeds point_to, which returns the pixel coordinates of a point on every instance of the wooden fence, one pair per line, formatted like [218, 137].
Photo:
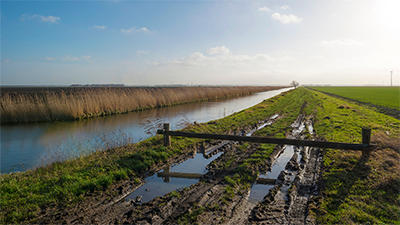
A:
[364, 146]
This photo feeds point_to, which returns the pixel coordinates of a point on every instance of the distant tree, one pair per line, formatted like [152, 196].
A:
[294, 84]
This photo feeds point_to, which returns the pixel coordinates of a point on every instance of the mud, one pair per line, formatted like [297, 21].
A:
[209, 201]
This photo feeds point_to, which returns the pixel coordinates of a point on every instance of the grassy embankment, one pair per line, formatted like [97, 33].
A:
[356, 190]
[382, 96]
[79, 103]
[64, 184]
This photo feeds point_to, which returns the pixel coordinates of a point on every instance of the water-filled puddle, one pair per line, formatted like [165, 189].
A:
[258, 191]
[159, 184]
[181, 175]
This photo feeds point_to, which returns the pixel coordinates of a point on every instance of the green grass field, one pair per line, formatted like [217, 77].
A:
[383, 96]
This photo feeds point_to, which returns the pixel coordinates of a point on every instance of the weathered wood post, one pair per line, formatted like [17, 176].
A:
[366, 135]
[167, 138]
[366, 139]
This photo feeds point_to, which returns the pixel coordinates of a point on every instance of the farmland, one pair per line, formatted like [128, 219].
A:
[382, 96]
[353, 187]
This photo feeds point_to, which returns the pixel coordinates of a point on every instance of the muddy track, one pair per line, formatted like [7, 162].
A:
[102, 207]
[208, 201]
[287, 202]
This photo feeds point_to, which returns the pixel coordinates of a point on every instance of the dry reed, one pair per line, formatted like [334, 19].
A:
[89, 102]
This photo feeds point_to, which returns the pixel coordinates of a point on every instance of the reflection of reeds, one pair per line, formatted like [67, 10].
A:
[89, 102]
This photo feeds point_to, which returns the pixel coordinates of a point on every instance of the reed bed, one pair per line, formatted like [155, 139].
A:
[79, 103]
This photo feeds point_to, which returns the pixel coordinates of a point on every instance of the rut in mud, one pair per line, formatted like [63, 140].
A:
[214, 199]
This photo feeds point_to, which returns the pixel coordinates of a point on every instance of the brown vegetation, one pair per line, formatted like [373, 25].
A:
[89, 102]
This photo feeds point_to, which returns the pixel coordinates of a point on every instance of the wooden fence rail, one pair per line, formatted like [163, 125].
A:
[365, 145]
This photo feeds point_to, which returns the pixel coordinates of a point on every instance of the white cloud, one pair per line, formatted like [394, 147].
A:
[264, 8]
[154, 63]
[99, 27]
[198, 59]
[74, 58]
[141, 52]
[218, 50]
[285, 19]
[70, 58]
[285, 7]
[340, 42]
[50, 19]
[133, 30]
[86, 57]
[49, 58]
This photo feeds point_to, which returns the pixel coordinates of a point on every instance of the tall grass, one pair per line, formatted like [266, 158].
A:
[89, 102]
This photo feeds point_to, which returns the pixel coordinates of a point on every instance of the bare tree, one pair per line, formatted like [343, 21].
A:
[294, 84]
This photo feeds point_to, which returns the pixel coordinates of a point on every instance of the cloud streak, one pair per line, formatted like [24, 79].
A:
[49, 19]
[218, 60]
[99, 27]
[134, 30]
[74, 58]
[264, 9]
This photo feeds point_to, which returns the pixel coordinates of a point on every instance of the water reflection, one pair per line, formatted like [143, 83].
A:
[28, 144]
[172, 178]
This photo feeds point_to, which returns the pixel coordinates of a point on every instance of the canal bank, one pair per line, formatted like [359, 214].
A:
[87, 190]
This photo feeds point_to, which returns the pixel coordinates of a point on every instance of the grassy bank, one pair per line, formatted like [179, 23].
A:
[382, 96]
[78, 103]
[356, 189]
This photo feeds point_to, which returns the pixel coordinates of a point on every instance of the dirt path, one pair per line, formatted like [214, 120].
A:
[214, 199]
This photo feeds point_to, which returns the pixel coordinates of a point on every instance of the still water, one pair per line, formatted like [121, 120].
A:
[25, 146]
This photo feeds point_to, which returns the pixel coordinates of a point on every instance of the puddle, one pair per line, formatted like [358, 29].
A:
[184, 174]
[310, 128]
[299, 129]
[258, 191]
[157, 185]
[271, 120]
[274, 116]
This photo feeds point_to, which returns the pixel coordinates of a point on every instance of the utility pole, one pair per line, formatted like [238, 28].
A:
[391, 78]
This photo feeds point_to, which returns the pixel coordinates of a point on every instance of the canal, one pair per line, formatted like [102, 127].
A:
[26, 146]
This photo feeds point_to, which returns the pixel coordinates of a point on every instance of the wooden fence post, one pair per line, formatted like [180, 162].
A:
[366, 139]
[167, 138]
[366, 135]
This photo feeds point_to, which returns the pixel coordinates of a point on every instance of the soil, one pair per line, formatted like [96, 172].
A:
[205, 202]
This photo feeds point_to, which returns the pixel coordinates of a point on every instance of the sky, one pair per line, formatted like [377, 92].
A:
[319, 42]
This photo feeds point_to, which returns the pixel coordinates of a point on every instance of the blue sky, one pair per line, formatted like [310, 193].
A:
[200, 42]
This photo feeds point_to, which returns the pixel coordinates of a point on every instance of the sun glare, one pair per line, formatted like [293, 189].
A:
[386, 15]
